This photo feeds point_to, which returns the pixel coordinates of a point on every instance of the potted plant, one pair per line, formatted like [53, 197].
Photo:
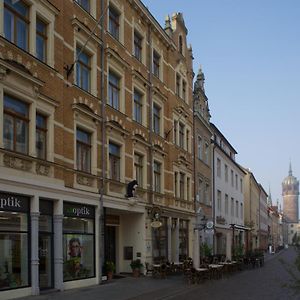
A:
[136, 266]
[110, 269]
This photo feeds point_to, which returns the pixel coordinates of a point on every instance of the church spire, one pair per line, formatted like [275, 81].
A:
[270, 197]
[290, 169]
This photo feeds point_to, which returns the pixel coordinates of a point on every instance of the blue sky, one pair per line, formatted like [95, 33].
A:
[250, 53]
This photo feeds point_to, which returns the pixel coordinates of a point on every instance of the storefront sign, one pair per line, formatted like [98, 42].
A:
[80, 211]
[11, 202]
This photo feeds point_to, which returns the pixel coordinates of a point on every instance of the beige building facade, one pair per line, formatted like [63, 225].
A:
[81, 120]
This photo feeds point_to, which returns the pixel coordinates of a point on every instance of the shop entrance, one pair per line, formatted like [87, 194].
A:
[45, 261]
[110, 243]
[46, 245]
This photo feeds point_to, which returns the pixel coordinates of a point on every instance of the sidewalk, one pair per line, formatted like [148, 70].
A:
[118, 289]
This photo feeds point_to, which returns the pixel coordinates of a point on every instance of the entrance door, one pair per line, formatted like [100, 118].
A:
[45, 261]
[110, 243]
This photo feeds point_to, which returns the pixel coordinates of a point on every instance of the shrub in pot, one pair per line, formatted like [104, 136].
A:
[136, 266]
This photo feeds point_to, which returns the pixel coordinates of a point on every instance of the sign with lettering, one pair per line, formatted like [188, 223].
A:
[80, 211]
[13, 202]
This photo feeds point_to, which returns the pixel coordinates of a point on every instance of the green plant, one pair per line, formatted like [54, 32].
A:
[238, 251]
[136, 264]
[109, 266]
[206, 250]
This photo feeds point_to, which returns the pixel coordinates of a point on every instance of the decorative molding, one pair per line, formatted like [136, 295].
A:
[17, 163]
[42, 169]
[84, 180]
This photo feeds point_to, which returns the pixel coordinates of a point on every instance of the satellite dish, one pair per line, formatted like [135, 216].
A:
[156, 224]
[210, 225]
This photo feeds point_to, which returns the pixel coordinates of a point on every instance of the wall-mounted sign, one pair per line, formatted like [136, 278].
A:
[156, 224]
[12, 202]
[81, 211]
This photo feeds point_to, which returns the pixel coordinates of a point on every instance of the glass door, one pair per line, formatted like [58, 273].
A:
[45, 261]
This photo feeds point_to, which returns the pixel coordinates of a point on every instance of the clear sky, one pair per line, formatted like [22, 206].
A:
[250, 53]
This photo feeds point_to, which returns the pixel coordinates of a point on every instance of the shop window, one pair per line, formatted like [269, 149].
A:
[15, 125]
[83, 70]
[160, 242]
[41, 40]
[14, 242]
[138, 40]
[78, 242]
[183, 240]
[16, 23]
[114, 161]
[41, 136]
[138, 106]
[83, 150]
[114, 23]
[114, 91]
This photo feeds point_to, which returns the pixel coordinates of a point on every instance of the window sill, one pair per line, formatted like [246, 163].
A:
[29, 54]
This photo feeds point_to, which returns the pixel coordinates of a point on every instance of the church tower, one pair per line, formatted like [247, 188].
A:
[290, 193]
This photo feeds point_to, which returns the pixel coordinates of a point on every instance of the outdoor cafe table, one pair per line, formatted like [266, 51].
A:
[216, 270]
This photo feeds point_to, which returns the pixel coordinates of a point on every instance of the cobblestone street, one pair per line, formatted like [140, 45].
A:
[273, 281]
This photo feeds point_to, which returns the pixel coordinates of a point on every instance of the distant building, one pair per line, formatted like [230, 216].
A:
[290, 193]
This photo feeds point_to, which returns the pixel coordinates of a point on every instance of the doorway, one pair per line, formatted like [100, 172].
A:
[110, 243]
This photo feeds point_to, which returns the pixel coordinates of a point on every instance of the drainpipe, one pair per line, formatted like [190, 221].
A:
[103, 102]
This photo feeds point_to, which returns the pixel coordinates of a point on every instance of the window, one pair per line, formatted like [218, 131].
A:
[187, 139]
[160, 241]
[138, 166]
[241, 185]
[15, 125]
[114, 90]
[157, 177]
[175, 132]
[156, 63]
[232, 180]
[177, 85]
[183, 90]
[242, 211]
[138, 46]
[232, 207]
[175, 184]
[199, 147]
[219, 205]
[226, 173]
[16, 23]
[41, 136]
[206, 154]
[180, 44]
[83, 70]
[138, 106]
[84, 4]
[156, 118]
[181, 185]
[188, 184]
[206, 194]
[236, 181]
[114, 23]
[218, 167]
[41, 40]
[181, 135]
[83, 147]
[114, 161]
[236, 209]
[200, 190]
[226, 204]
